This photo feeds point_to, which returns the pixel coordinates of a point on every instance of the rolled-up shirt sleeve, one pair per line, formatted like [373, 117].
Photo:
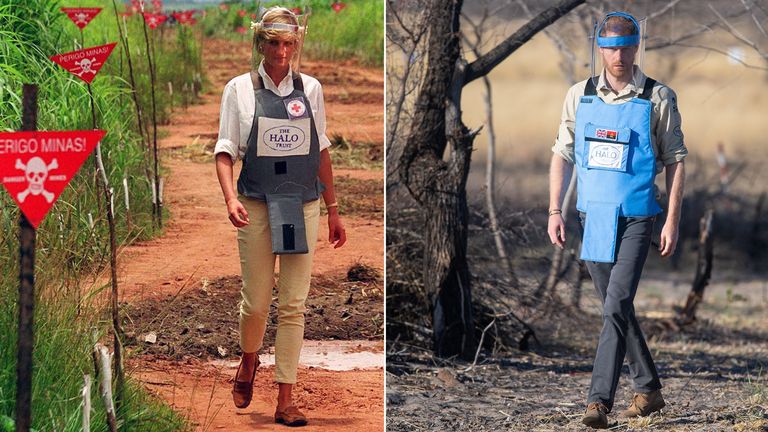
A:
[669, 133]
[318, 111]
[229, 124]
[565, 135]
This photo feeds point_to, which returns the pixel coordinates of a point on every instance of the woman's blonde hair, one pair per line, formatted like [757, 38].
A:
[276, 23]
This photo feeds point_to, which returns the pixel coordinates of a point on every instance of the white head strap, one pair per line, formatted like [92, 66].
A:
[274, 26]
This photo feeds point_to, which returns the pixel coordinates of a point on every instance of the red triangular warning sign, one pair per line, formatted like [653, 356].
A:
[154, 20]
[81, 16]
[86, 63]
[35, 167]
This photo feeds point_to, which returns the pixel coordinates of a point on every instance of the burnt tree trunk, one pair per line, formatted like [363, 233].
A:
[687, 314]
[438, 184]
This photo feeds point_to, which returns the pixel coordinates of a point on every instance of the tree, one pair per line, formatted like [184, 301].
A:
[438, 184]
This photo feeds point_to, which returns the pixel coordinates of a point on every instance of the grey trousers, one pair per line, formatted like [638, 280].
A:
[616, 284]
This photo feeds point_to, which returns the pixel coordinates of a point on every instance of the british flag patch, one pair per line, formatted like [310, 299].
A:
[607, 134]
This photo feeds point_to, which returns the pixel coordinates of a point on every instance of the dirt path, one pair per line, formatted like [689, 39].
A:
[198, 214]
[350, 399]
[199, 246]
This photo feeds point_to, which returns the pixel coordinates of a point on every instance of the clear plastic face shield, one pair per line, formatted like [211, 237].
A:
[618, 45]
[279, 31]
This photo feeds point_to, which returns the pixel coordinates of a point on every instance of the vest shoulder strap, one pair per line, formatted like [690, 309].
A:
[590, 90]
[298, 83]
[648, 89]
[257, 80]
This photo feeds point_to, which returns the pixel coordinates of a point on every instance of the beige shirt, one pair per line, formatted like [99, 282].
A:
[666, 132]
[238, 105]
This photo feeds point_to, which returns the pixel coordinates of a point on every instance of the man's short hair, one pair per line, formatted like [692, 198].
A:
[619, 25]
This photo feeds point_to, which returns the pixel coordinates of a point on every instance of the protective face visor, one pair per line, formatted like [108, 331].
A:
[296, 31]
[615, 41]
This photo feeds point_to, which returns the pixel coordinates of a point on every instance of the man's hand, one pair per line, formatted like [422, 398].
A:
[336, 232]
[668, 241]
[237, 213]
[556, 230]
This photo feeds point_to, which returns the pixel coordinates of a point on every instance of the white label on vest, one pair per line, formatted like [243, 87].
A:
[281, 137]
[605, 155]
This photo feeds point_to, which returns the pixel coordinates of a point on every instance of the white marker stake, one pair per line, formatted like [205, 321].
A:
[154, 193]
[112, 200]
[161, 189]
[90, 220]
[170, 93]
[86, 394]
[125, 28]
[106, 384]
[127, 198]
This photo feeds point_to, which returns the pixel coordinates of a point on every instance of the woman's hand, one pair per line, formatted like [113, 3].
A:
[336, 232]
[237, 213]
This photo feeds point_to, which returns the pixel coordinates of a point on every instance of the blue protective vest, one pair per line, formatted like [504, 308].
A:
[616, 167]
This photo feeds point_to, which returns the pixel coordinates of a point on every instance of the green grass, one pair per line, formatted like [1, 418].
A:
[356, 32]
[67, 245]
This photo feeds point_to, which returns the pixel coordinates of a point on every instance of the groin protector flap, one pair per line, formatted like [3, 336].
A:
[286, 222]
[600, 231]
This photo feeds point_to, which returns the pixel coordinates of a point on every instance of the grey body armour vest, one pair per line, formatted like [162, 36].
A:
[281, 163]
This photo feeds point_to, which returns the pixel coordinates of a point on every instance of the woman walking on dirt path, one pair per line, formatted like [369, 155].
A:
[273, 119]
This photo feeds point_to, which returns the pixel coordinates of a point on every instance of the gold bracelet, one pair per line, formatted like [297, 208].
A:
[333, 204]
[555, 211]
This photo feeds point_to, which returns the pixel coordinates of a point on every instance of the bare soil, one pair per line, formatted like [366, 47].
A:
[184, 285]
[333, 401]
[203, 322]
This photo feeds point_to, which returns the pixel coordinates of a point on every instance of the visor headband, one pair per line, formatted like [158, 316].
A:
[274, 26]
[618, 41]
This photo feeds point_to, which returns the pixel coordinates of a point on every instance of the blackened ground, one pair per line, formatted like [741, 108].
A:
[714, 372]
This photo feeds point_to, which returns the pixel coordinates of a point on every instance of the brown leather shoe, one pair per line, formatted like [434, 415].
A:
[242, 391]
[596, 416]
[290, 416]
[644, 404]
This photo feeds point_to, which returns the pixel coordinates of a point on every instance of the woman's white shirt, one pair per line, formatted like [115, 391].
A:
[238, 105]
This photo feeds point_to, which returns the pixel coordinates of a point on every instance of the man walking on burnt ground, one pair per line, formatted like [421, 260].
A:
[619, 129]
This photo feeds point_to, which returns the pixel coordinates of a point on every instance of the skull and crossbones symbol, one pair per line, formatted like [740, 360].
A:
[36, 172]
[81, 18]
[86, 65]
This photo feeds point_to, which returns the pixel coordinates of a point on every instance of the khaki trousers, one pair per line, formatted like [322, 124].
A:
[258, 264]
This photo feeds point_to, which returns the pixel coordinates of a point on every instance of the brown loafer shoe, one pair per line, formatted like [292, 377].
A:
[596, 416]
[290, 416]
[644, 404]
[242, 391]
